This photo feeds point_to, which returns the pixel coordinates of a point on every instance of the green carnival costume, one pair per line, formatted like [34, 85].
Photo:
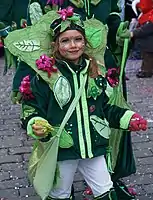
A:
[58, 91]
[110, 17]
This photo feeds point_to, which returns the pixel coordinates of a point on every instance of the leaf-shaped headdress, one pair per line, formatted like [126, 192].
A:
[30, 43]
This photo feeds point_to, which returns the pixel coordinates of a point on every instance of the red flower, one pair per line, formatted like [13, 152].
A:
[45, 63]
[112, 76]
[25, 88]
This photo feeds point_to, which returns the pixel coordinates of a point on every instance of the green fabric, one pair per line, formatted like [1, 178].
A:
[124, 121]
[26, 111]
[45, 167]
[123, 27]
[65, 139]
[93, 90]
[44, 156]
[96, 33]
[46, 105]
[86, 121]
[29, 127]
[35, 12]
[117, 98]
[125, 34]
[78, 113]
[16, 97]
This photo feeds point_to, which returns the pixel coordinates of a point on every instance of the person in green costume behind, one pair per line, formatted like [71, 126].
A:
[71, 84]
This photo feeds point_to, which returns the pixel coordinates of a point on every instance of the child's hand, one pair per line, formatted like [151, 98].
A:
[137, 123]
[41, 128]
[38, 130]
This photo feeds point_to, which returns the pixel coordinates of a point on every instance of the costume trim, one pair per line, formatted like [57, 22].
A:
[29, 127]
[115, 13]
[86, 120]
[124, 121]
[78, 113]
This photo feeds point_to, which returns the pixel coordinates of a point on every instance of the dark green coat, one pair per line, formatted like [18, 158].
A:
[95, 107]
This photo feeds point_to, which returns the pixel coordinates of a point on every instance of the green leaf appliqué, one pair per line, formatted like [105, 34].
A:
[101, 126]
[27, 45]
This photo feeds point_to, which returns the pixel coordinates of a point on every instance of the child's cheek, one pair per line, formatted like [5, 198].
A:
[64, 49]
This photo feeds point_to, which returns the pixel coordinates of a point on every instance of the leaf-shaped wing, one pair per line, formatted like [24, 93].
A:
[35, 12]
[27, 45]
[96, 34]
[62, 91]
[101, 126]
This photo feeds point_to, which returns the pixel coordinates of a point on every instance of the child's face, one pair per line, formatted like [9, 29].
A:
[71, 45]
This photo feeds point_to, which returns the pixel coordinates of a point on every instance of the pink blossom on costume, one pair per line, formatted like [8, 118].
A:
[65, 13]
[46, 63]
[25, 88]
[112, 76]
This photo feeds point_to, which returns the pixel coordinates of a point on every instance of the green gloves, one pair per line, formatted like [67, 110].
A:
[125, 34]
[16, 97]
[122, 33]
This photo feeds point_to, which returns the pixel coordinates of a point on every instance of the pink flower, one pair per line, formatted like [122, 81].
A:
[46, 63]
[65, 13]
[113, 76]
[25, 88]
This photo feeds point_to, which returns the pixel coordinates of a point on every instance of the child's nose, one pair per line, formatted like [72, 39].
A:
[73, 43]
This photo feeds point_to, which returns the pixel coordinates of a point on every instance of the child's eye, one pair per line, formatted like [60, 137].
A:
[79, 39]
[64, 40]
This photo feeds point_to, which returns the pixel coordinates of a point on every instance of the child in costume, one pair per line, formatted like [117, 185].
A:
[109, 16]
[71, 105]
[143, 34]
[107, 11]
